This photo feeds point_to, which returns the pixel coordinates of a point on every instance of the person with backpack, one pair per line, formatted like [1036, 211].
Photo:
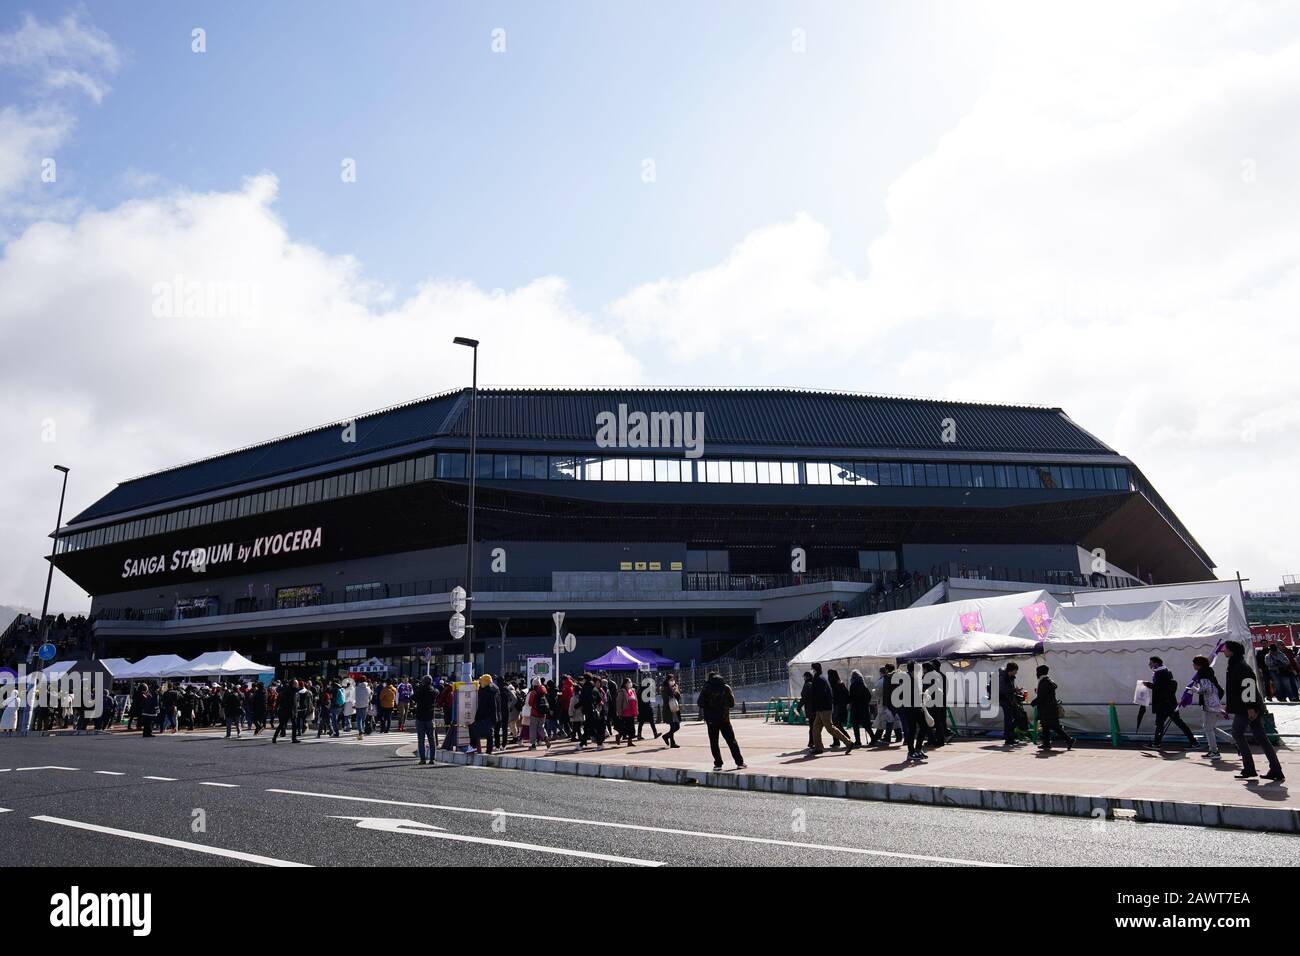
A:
[567, 690]
[233, 706]
[715, 702]
[1246, 706]
[1049, 710]
[539, 709]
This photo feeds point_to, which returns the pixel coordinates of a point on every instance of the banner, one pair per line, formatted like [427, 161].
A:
[541, 668]
[1039, 621]
[972, 621]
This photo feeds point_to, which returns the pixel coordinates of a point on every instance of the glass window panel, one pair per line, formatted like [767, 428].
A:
[661, 470]
[965, 479]
[499, 463]
[932, 476]
[1077, 475]
[563, 469]
[592, 469]
[710, 471]
[513, 467]
[789, 473]
[483, 465]
[908, 478]
[634, 469]
[314, 490]
[1089, 478]
[382, 474]
[761, 472]
[747, 471]
[619, 469]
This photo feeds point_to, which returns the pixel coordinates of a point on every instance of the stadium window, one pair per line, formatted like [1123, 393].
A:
[748, 472]
[563, 469]
[589, 469]
[1089, 478]
[870, 473]
[966, 479]
[380, 480]
[1000, 476]
[761, 472]
[539, 467]
[526, 471]
[661, 469]
[484, 465]
[1077, 475]
[451, 464]
[931, 475]
[1054, 473]
[908, 478]
[989, 480]
[710, 472]
[619, 466]
[634, 469]
[789, 473]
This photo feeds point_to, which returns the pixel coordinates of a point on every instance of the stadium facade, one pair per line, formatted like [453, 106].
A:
[339, 545]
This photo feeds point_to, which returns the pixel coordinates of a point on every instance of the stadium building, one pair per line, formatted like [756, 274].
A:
[683, 521]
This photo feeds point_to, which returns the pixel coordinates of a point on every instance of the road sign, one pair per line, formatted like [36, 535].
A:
[426, 655]
[47, 652]
[458, 599]
[570, 642]
[457, 625]
[558, 618]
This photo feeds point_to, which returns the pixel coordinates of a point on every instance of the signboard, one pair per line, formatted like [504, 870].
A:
[426, 655]
[464, 706]
[1261, 634]
[458, 599]
[47, 652]
[201, 559]
[540, 668]
[457, 625]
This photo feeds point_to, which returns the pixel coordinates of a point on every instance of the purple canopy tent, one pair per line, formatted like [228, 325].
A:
[618, 659]
[656, 661]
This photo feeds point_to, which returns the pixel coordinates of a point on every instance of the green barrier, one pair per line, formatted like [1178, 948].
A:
[1114, 726]
[952, 724]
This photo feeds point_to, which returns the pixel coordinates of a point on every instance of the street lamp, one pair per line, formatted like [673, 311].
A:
[469, 524]
[49, 577]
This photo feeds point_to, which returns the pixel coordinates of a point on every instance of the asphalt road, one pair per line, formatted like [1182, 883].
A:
[98, 801]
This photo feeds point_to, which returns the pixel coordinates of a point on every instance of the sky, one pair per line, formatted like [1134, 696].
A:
[1086, 206]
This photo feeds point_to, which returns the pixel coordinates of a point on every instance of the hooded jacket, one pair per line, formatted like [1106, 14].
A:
[716, 700]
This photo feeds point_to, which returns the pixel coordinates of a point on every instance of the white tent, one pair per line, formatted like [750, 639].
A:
[866, 643]
[115, 665]
[223, 664]
[154, 667]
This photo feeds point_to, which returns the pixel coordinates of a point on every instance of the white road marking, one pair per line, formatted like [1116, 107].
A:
[111, 773]
[4, 810]
[208, 784]
[166, 779]
[415, 828]
[167, 841]
[728, 837]
[45, 768]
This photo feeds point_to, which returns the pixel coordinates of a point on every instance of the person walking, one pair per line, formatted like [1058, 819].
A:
[715, 702]
[1013, 714]
[169, 703]
[593, 705]
[886, 718]
[860, 708]
[9, 716]
[258, 712]
[1208, 695]
[404, 693]
[822, 699]
[285, 707]
[233, 706]
[908, 691]
[1246, 707]
[567, 690]
[576, 717]
[839, 704]
[424, 700]
[501, 720]
[1049, 710]
[645, 709]
[304, 700]
[627, 710]
[1164, 702]
[936, 702]
[670, 709]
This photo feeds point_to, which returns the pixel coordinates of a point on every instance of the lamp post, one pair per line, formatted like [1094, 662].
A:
[49, 577]
[469, 523]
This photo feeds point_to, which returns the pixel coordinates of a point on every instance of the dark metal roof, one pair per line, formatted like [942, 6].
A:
[733, 419]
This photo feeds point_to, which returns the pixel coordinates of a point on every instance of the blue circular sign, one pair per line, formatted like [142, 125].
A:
[47, 652]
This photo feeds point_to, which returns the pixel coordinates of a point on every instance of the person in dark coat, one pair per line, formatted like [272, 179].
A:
[233, 706]
[1164, 702]
[645, 709]
[285, 709]
[1245, 705]
[1049, 710]
[594, 707]
[839, 703]
[1009, 699]
[144, 704]
[805, 704]
[860, 708]
[820, 708]
[425, 700]
[489, 705]
[259, 707]
[715, 702]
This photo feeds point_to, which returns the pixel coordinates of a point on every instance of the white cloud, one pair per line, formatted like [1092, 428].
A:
[129, 391]
[1112, 229]
[69, 54]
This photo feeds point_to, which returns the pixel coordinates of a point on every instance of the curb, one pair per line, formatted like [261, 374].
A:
[1264, 819]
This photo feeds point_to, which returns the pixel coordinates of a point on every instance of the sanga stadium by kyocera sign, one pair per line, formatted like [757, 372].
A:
[201, 559]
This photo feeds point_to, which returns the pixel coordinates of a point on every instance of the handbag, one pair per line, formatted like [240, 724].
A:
[526, 711]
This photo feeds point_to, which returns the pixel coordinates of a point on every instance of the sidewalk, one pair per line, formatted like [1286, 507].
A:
[1171, 786]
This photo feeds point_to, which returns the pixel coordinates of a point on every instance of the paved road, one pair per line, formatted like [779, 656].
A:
[117, 800]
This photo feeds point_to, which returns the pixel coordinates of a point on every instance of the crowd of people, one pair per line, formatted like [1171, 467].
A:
[907, 707]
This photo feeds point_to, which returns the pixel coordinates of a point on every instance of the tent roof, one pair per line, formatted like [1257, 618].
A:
[155, 665]
[1104, 626]
[223, 663]
[651, 658]
[975, 644]
[115, 665]
[892, 633]
[619, 658]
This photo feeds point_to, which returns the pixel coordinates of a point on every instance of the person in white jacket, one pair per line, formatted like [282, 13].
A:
[1208, 695]
[362, 695]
